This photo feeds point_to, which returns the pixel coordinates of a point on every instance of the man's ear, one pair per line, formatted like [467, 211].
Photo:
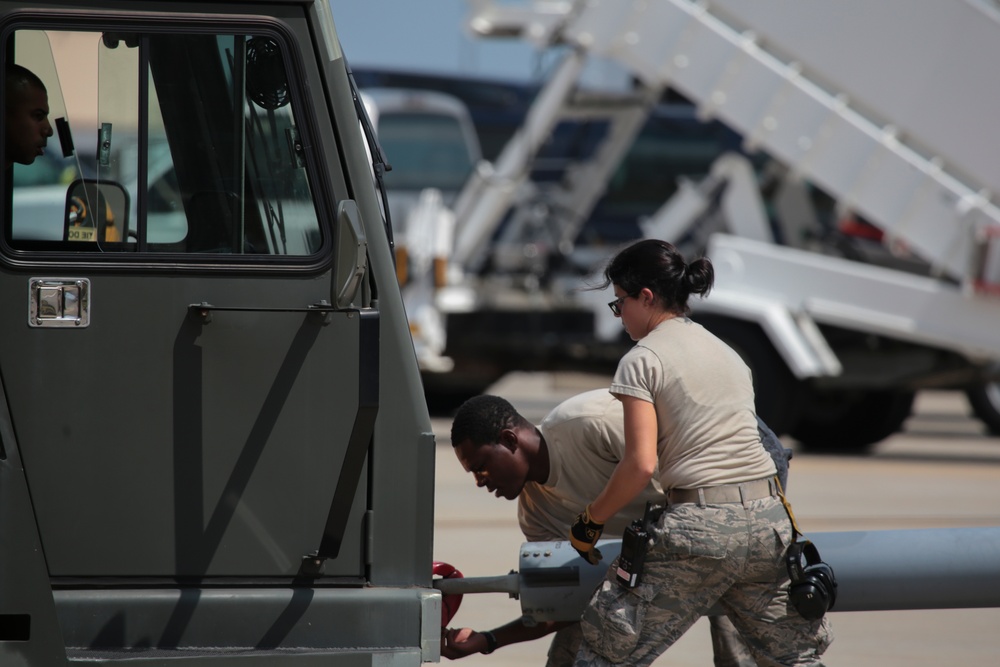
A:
[509, 439]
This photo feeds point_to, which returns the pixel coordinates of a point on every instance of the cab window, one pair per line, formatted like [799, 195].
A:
[160, 143]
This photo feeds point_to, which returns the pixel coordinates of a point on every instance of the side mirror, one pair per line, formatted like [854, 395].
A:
[352, 256]
[96, 211]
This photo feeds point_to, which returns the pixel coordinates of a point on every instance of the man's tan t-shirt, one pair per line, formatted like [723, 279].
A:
[585, 438]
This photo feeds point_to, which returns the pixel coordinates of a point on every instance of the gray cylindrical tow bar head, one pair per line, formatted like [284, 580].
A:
[556, 583]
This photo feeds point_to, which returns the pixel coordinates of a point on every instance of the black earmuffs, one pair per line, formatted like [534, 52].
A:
[813, 590]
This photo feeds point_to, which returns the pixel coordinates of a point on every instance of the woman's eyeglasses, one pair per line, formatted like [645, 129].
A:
[616, 305]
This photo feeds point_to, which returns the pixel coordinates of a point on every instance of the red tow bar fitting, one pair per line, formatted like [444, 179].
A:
[451, 601]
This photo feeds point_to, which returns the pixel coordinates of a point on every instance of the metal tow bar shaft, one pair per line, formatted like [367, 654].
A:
[879, 570]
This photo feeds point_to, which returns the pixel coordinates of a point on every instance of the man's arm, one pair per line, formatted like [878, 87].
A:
[459, 642]
[778, 452]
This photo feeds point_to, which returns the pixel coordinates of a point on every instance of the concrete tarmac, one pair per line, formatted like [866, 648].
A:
[942, 470]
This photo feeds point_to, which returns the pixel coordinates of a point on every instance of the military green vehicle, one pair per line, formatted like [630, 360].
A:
[214, 447]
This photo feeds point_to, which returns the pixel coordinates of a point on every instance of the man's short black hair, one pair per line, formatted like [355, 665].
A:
[481, 418]
[16, 78]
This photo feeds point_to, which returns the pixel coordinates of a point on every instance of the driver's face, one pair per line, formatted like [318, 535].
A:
[28, 127]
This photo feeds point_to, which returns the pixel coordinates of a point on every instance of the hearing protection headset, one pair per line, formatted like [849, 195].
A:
[813, 590]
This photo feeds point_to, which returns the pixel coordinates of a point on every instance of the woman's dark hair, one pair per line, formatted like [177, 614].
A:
[481, 418]
[659, 266]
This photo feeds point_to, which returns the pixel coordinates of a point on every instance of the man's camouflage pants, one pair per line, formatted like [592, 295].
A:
[728, 554]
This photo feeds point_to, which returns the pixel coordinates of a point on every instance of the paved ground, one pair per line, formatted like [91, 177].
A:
[942, 471]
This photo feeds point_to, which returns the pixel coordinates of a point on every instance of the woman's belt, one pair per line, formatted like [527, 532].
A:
[725, 493]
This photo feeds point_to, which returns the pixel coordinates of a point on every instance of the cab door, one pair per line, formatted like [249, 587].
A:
[189, 345]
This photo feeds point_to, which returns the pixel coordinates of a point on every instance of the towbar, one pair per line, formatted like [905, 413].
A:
[879, 570]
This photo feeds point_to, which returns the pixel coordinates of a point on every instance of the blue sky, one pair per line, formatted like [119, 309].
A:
[426, 35]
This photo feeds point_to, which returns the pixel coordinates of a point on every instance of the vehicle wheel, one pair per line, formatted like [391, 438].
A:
[777, 391]
[851, 421]
[985, 402]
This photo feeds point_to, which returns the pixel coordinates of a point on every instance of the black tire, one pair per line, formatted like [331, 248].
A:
[985, 402]
[777, 391]
[849, 422]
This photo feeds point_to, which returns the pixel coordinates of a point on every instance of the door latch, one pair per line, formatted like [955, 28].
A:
[58, 302]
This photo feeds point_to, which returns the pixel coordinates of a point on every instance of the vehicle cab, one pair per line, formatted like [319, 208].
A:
[214, 445]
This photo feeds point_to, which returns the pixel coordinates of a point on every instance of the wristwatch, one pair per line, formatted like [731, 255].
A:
[491, 642]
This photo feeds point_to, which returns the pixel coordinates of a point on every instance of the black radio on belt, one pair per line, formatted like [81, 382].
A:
[635, 544]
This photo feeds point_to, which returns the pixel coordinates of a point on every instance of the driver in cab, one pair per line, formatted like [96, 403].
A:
[26, 107]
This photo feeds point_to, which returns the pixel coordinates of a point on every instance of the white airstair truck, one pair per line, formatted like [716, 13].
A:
[882, 106]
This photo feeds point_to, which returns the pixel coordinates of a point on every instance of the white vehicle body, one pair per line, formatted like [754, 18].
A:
[432, 148]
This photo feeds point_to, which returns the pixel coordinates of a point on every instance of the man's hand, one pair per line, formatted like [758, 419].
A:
[460, 642]
[583, 535]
